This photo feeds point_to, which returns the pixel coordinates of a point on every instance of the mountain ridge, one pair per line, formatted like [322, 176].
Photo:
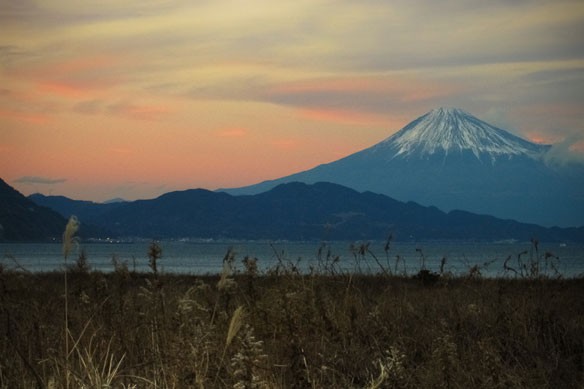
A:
[298, 211]
[518, 185]
[23, 220]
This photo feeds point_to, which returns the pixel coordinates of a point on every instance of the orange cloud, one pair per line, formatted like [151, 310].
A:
[544, 139]
[73, 77]
[33, 118]
[62, 89]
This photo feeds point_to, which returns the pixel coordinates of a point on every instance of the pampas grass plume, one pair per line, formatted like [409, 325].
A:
[235, 325]
[69, 235]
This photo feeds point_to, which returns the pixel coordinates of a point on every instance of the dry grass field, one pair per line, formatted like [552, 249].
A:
[284, 329]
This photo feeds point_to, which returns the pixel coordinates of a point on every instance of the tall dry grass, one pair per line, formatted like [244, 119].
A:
[282, 329]
[69, 240]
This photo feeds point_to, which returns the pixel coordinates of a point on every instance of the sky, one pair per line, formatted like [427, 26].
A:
[133, 99]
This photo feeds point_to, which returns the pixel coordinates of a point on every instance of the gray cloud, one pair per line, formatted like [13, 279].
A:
[561, 153]
[40, 180]
[39, 13]
[11, 53]
[555, 85]
[435, 34]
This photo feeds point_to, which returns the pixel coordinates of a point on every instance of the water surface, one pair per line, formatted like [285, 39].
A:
[196, 257]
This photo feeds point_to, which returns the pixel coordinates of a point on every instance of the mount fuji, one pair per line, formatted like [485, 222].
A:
[452, 160]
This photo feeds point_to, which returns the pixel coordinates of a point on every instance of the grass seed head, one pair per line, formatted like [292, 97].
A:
[69, 238]
[235, 325]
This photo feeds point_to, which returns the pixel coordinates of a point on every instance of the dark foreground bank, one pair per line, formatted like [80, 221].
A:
[284, 330]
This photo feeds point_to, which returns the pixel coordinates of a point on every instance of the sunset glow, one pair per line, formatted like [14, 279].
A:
[133, 99]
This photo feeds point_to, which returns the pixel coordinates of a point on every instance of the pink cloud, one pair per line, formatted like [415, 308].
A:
[541, 138]
[63, 89]
[72, 78]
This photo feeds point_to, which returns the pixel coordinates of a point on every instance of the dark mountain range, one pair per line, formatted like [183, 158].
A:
[85, 210]
[452, 160]
[23, 220]
[298, 211]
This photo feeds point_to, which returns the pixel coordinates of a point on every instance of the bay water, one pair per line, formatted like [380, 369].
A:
[206, 257]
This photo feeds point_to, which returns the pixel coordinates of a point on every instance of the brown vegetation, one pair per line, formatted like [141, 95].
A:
[283, 329]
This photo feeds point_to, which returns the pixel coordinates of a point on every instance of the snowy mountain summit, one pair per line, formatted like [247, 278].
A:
[452, 160]
[452, 130]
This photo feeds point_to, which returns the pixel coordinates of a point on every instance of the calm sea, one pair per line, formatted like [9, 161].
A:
[200, 258]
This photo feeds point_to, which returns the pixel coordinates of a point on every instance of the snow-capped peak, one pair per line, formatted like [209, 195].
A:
[450, 130]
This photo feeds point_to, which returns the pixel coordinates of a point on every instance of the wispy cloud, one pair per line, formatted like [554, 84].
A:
[359, 94]
[39, 180]
[138, 111]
